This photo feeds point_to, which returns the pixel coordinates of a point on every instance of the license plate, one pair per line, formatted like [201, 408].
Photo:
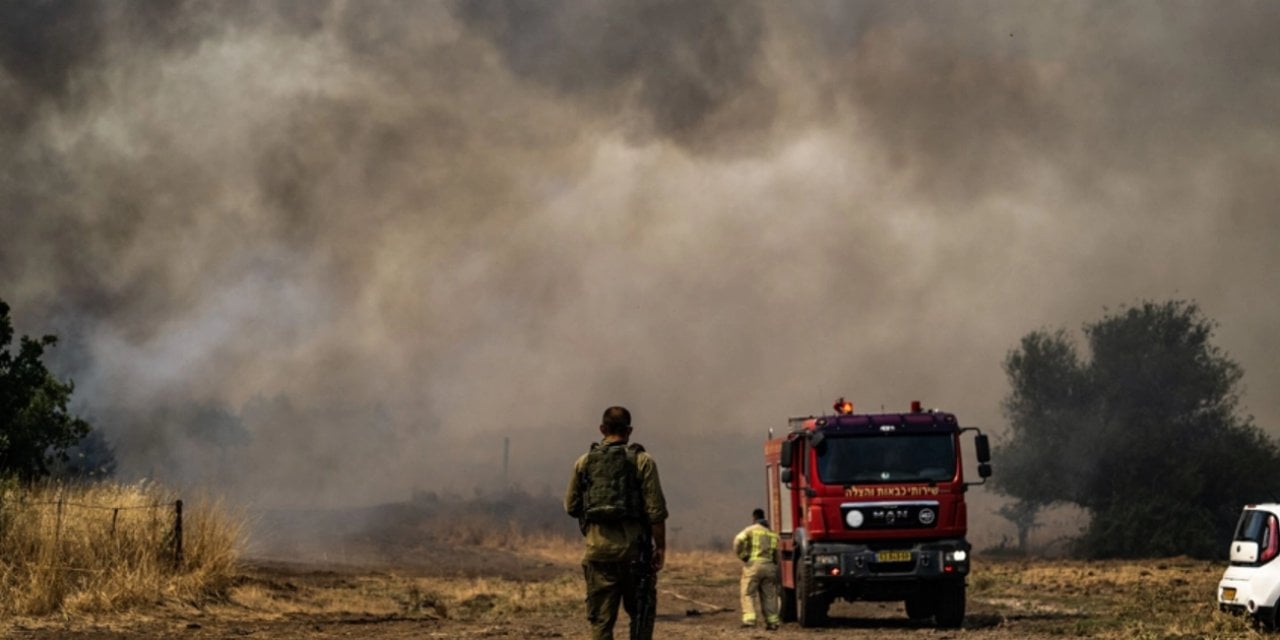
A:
[893, 556]
[1229, 593]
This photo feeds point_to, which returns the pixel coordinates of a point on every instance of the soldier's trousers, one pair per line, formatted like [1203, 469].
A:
[632, 584]
[760, 581]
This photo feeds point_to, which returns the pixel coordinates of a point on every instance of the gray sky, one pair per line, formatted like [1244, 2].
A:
[327, 253]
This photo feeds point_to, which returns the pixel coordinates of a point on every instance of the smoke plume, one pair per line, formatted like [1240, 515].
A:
[323, 253]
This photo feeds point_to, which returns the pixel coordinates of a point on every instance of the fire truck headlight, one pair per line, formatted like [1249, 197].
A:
[959, 555]
[826, 559]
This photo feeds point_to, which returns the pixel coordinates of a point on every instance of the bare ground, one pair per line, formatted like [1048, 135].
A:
[487, 593]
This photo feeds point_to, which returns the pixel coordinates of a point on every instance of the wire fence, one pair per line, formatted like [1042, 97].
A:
[170, 543]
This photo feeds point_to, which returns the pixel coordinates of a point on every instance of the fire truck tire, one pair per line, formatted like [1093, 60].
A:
[788, 608]
[950, 605]
[811, 609]
[921, 607]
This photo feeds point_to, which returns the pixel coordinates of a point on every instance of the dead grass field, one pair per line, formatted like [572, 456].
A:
[95, 548]
[448, 570]
[535, 592]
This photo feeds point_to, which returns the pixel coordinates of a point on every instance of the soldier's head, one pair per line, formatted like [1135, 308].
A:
[616, 422]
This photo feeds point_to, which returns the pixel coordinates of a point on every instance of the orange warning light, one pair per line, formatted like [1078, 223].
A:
[843, 407]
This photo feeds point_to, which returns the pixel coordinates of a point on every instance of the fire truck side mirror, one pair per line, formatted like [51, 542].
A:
[984, 470]
[983, 448]
[785, 476]
[787, 450]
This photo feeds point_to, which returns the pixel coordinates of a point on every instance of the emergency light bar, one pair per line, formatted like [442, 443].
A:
[844, 407]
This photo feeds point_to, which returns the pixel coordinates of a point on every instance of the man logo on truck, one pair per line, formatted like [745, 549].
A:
[871, 507]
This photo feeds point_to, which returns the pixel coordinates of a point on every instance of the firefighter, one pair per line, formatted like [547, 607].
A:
[617, 498]
[757, 547]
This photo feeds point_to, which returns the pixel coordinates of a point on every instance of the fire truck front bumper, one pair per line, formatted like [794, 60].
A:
[907, 564]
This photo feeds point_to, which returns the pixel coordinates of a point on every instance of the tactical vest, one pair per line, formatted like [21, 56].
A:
[611, 484]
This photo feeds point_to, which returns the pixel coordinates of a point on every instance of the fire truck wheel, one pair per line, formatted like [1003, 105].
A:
[921, 607]
[811, 609]
[950, 605]
[788, 608]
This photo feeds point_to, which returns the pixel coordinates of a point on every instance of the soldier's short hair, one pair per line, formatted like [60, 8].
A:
[616, 420]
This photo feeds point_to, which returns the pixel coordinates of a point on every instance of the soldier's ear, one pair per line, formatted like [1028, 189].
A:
[603, 431]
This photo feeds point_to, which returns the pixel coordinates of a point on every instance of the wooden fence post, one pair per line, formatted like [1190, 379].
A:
[177, 535]
[57, 529]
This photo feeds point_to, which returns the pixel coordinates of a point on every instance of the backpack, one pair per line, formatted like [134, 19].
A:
[610, 483]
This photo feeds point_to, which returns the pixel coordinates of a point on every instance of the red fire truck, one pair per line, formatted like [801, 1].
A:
[871, 507]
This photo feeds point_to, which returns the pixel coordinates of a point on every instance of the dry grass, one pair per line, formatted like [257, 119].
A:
[568, 551]
[1163, 599]
[484, 598]
[108, 547]
[73, 563]
[1169, 599]
[484, 530]
[395, 596]
[1160, 599]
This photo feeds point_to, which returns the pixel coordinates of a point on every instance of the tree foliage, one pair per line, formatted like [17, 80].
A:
[1144, 434]
[36, 429]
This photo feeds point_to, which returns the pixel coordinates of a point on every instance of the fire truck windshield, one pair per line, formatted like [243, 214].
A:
[898, 458]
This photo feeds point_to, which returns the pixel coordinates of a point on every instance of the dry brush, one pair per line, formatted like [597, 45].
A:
[110, 547]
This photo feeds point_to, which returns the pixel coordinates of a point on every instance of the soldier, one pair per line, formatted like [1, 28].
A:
[757, 547]
[617, 498]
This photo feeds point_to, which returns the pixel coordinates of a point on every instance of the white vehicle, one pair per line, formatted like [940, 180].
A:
[1252, 583]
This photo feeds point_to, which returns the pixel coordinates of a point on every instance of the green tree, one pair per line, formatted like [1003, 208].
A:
[1144, 434]
[36, 428]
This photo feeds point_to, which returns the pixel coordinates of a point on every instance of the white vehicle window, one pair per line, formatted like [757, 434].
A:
[1263, 528]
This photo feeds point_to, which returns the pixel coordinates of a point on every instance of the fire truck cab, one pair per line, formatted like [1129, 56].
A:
[871, 507]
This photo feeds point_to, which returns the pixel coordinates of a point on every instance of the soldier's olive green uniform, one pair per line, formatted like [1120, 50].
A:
[616, 562]
[757, 546]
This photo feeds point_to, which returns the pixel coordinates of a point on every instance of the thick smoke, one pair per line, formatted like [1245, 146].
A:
[329, 253]
[682, 71]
